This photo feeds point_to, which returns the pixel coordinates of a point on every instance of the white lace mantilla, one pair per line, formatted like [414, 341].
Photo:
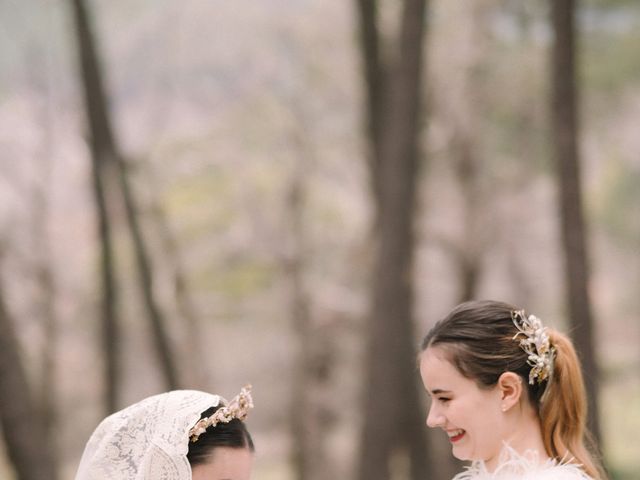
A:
[146, 441]
[513, 466]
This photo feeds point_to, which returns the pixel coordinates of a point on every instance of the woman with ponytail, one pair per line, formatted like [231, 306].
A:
[509, 394]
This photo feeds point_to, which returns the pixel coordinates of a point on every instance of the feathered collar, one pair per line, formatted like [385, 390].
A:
[514, 466]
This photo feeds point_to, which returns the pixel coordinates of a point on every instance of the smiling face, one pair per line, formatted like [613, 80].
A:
[227, 463]
[470, 415]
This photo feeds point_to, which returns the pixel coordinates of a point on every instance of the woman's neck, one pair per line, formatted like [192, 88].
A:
[523, 435]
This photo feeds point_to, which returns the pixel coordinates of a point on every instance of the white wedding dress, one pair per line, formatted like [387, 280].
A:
[514, 466]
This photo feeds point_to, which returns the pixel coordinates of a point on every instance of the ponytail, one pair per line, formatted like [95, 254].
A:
[563, 411]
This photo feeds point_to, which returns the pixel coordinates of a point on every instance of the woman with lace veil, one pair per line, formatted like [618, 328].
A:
[178, 435]
[509, 394]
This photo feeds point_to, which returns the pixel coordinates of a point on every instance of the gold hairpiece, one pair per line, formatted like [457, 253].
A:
[536, 344]
[238, 408]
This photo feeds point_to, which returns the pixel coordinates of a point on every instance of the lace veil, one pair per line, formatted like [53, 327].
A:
[146, 441]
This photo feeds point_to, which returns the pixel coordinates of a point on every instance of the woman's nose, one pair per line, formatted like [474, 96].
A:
[434, 417]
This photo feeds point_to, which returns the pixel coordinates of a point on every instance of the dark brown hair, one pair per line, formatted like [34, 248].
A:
[233, 434]
[478, 339]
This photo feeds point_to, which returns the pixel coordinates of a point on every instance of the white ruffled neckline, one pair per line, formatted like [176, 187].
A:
[527, 466]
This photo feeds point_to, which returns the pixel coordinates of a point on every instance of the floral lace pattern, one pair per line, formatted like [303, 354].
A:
[146, 441]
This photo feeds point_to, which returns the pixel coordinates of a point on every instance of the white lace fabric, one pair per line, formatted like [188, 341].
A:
[146, 441]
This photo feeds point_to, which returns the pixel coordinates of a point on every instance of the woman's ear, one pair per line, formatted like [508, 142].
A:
[510, 385]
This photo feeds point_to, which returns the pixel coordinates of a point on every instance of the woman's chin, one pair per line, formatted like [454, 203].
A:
[461, 454]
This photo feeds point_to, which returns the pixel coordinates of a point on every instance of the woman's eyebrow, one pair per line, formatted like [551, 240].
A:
[439, 391]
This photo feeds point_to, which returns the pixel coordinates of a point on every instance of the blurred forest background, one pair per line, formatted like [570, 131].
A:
[288, 193]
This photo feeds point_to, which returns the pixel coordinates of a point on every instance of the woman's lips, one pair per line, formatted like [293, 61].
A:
[455, 436]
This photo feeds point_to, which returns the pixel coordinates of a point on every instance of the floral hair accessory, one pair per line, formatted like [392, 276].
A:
[535, 342]
[238, 408]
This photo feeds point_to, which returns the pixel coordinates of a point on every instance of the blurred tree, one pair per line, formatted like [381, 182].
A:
[156, 319]
[308, 453]
[110, 169]
[462, 103]
[393, 436]
[197, 375]
[565, 131]
[44, 301]
[46, 304]
[102, 147]
[108, 311]
[469, 257]
[462, 94]
[313, 365]
[22, 427]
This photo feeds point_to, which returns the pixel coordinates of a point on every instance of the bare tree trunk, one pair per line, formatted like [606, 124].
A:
[102, 150]
[375, 81]
[106, 154]
[22, 427]
[470, 258]
[468, 154]
[145, 278]
[313, 365]
[187, 311]
[47, 394]
[565, 124]
[463, 102]
[399, 439]
[305, 435]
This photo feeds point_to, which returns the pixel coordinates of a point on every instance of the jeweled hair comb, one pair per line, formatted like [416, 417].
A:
[534, 340]
[238, 408]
